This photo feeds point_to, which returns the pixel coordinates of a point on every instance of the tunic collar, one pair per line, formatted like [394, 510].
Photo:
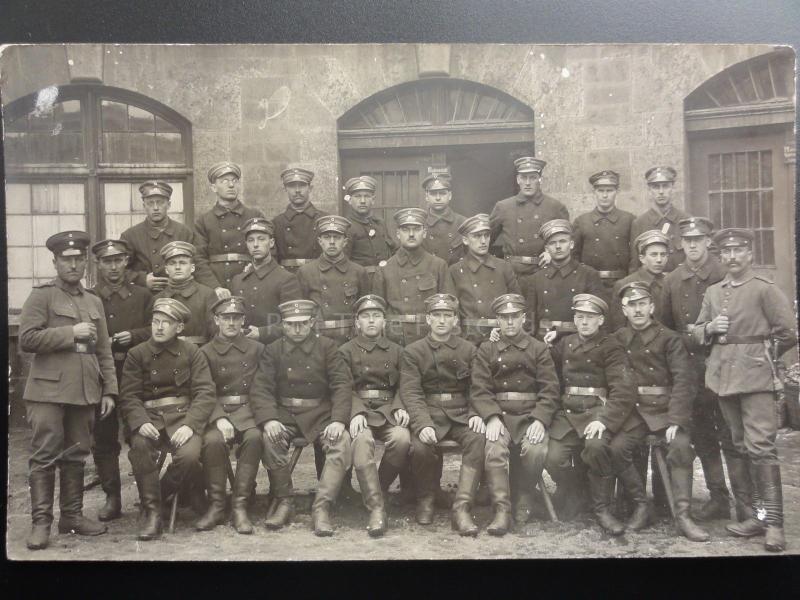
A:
[451, 342]
[261, 270]
[307, 345]
[368, 220]
[655, 216]
[186, 292]
[564, 271]
[521, 341]
[432, 218]
[325, 264]
[404, 256]
[536, 199]
[474, 263]
[155, 232]
[612, 215]
[220, 210]
[309, 211]
[173, 346]
[222, 345]
[702, 272]
[59, 283]
[727, 281]
[369, 345]
[104, 290]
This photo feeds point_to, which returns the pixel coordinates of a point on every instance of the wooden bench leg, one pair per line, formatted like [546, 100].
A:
[662, 468]
[548, 501]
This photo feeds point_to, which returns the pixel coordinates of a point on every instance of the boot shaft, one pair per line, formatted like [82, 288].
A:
[42, 488]
[468, 480]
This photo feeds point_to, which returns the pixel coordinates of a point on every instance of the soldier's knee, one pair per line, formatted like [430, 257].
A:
[679, 451]
[422, 451]
[398, 440]
[496, 452]
[139, 443]
[212, 439]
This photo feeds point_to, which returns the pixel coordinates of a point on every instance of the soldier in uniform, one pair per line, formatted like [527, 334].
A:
[740, 318]
[514, 389]
[333, 281]
[219, 239]
[263, 284]
[434, 387]
[479, 278]
[295, 242]
[128, 308]
[370, 245]
[663, 216]
[550, 290]
[148, 237]
[602, 235]
[598, 394]
[233, 360]
[72, 372]
[441, 222]
[180, 266]
[303, 388]
[377, 411]
[408, 278]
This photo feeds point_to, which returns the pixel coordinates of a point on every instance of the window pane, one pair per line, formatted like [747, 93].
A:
[741, 170]
[71, 198]
[17, 125]
[768, 248]
[20, 262]
[43, 263]
[715, 209]
[714, 166]
[115, 116]
[754, 209]
[41, 122]
[727, 210]
[45, 198]
[16, 148]
[140, 120]
[18, 198]
[18, 292]
[72, 223]
[176, 204]
[19, 231]
[44, 227]
[766, 168]
[766, 209]
[143, 147]
[69, 114]
[115, 148]
[116, 224]
[164, 126]
[117, 197]
[177, 217]
[169, 148]
[727, 171]
[753, 169]
[67, 148]
[740, 210]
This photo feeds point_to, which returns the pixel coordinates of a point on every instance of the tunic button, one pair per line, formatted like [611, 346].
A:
[154, 372]
[402, 281]
[521, 240]
[110, 316]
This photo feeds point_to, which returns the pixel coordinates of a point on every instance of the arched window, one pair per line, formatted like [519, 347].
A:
[75, 156]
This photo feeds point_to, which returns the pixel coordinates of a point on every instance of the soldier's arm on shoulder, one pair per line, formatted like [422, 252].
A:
[684, 382]
[783, 327]
[131, 405]
[141, 334]
[705, 315]
[512, 282]
[411, 392]
[445, 279]
[204, 393]
[667, 317]
[138, 271]
[577, 238]
[481, 388]
[621, 381]
[340, 383]
[34, 334]
[549, 388]
[108, 372]
[563, 212]
[363, 281]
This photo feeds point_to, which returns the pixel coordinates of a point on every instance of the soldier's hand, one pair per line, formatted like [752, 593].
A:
[222, 293]
[494, 334]
[720, 324]
[477, 425]
[550, 337]
[535, 432]
[253, 334]
[275, 431]
[401, 416]
[357, 425]
[84, 331]
[672, 431]
[428, 436]
[181, 436]
[544, 258]
[155, 283]
[149, 430]
[225, 428]
[106, 406]
[334, 431]
[494, 428]
[123, 338]
[594, 429]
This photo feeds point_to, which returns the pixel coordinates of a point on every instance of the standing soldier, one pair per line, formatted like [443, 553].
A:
[441, 222]
[377, 410]
[166, 397]
[233, 360]
[479, 278]
[72, 371]
[332, 281]
[179, 263]
[434, 387]
[740, 317]
[602, 235]
[370, 245]
[263, 284]
[219, 239]
[550, 290]
[408, 278]
[663, 216]
[514, 389]
[128, 309]
[303, 388]
[666, 387]
[295, 243]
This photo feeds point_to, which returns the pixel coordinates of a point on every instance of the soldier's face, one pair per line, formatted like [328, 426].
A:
[661, 193]
[588, 323]
[112, 268]
[695, 247]
[655, 258]
[165, 328]
[297, 331]
[70, 269]
[411, 236]
[511, 323]
[229, 325]
[361, 201]
[298, 192]
[737, 259]
[156, 208]
[639, 312]
[441, 322]
[529, 183]
[477, 243]
[259, 245]
[226, 187]
[179, 269]
[438, 200]
[559, 246]
[370, 322]
[332, 243]
[605, 196]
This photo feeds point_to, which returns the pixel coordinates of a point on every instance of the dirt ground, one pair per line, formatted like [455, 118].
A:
[404, 539]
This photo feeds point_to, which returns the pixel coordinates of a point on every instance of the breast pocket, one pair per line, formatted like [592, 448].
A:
[64, 312]
[463, 370]
[426, 284]
[47, 382]
[181, 377]
[350, 294]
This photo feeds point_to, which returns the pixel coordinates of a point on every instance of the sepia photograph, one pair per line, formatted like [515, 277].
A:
[314, 302]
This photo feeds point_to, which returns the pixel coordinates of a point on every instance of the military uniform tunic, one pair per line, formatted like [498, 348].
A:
[602, 240]
[199, 299]
[666, 224]
[295, 234]
[218, 232]
[369, 241]
[617, 317]
[442, 238]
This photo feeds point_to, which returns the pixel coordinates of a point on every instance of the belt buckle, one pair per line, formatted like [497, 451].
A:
[723, 339]
[81, 347]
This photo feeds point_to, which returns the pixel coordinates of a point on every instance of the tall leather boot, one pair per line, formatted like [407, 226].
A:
[216, 478]
[242, 484]
[497, 480]
[757, 523]
[741, 486]
[718, 505]
[327, 491]
[602, 489]
[772, 493]
[569, 494]
[387, 473]
[280, 486]
[150, 499]
[71, 519]
[682, 493]
[640, 517]
[108, 472]
[461, 518]
[42, 485]
[373, 499]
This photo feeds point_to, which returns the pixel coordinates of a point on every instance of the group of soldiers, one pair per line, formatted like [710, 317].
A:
[533, 342]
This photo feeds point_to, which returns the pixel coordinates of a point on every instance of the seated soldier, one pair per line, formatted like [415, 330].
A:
[514, 390]
[166, 397]
[233, 360]
[667, 386]
[434, 384]
[377, 411]
[303, 388]
[598, 395]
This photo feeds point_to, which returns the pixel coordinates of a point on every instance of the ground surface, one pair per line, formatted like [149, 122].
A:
[404, 540]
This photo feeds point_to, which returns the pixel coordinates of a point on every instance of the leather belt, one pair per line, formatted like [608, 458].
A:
[232, 257]
[481, 322]
[653, 390]
[612, 274]
[559, 325]
[525, 260]
[119, 356]
[371, 269]
[167, 401]
[586, 391]
[193, 339]
[376, 394]
[234, 400]
[294, 262]
[405, 318]
[335, 324]
[741, 339]
[84, 347]
[300, 402]
[448, 400]
[518, 396]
